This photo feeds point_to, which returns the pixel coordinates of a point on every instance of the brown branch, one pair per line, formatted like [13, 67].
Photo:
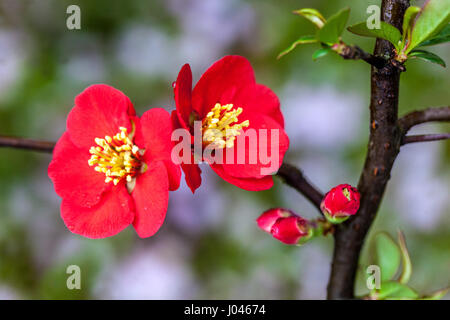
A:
[425, 138]
[428, 115]
[28, 144]
[383, 147]
[352, 52]
[295, 178]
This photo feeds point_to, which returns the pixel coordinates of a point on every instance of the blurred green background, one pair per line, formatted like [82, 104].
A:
[209, 245]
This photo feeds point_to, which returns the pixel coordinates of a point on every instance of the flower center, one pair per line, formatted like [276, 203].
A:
[346, 193]
[220, 127]
[116, 157]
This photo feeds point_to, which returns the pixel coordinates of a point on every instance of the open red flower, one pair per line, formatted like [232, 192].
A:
[111, 168]
[227, 98]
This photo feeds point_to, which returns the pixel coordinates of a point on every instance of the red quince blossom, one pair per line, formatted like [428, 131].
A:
[228, 97]
[340, 203]
[285, 226]
[111, 168]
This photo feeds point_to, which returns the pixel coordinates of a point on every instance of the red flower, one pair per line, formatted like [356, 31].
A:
[227, 97]
[111, 168]
[285, 226]
[340, 202]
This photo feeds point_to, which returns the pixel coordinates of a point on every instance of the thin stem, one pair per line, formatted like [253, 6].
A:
[414, 118]
[425, 138]
[295, 178]
[28, 144]
[356, 53]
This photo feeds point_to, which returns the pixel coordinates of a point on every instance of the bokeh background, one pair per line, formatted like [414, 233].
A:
[209, 245]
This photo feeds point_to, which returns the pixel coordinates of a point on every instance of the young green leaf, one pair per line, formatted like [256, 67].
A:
[408, 22]
[406, 261]
[387, 255]
[333, 27]
[394, 290]
[312, 15]
[386, 31]
[433, 17]
[441, 37]
[427, 56]
[438, 295]
[301, 40]
[321, 53]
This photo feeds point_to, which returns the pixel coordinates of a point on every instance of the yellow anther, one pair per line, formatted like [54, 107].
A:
[220, 126]
[116, 157]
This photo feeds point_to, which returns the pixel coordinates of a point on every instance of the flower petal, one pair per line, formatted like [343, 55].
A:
[257, 98]
[192, 174]
[249, 184]
[153, 133]
[183, 93]
[110, 216]
[151, 198]
[74, 180]
[99, 111]
[250, 161]
[221, 82]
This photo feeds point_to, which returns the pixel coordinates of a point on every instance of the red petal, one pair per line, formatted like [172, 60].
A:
[246, 184]
[250, 169]
[257, 98]
[192, 174]
[151, 197]
[153, 133]
[221, 82]
[110, 216]
[183, 93]
[99, 111]
[74, 180]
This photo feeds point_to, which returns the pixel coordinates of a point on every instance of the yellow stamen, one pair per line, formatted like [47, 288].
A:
[220, 127]
[346, 193]
[116, 157]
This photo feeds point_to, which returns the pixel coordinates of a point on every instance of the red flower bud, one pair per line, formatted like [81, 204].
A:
[291, 230]
[269, 217]
[340, 203]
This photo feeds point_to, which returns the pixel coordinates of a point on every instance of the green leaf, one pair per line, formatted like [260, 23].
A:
[386, 31]
[434, 16]
[301, 40]
[395, 290]
[438, 295]
[406, 261]
[321, 53]
[427, 56]
[334, 27]
[408, 21]
[441, 37]
[312, 15]
[388, 256]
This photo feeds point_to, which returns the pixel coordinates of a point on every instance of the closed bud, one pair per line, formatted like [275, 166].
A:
[292, 230]
[269, 217]
[340, 203]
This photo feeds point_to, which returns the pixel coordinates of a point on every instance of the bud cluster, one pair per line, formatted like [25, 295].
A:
[338, 205]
